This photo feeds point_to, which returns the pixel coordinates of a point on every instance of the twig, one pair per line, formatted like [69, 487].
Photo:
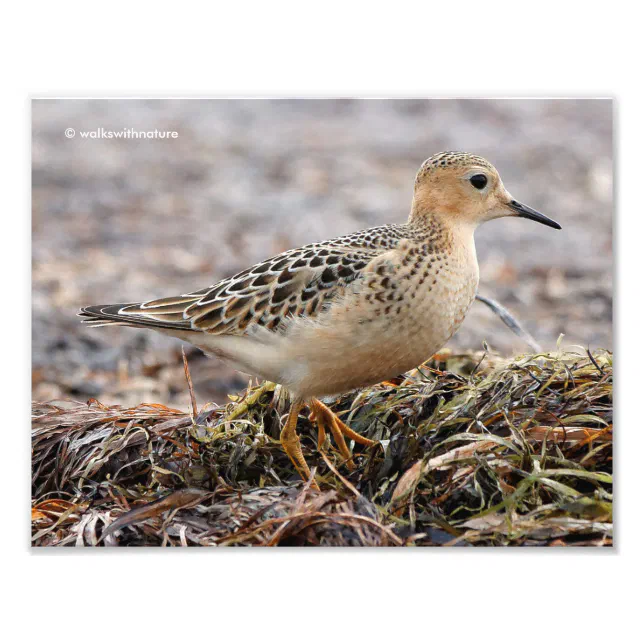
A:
[335, 471]
[189, 379]
[592, 359]
[511, 322]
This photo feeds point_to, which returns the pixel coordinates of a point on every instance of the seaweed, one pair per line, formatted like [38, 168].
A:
[472, 450]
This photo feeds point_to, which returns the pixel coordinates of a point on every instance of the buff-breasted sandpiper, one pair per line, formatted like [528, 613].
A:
[350, 312]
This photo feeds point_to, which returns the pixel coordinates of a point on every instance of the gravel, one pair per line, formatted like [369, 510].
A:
[128, 219]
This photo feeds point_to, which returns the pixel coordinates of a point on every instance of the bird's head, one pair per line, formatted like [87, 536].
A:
[465, 188]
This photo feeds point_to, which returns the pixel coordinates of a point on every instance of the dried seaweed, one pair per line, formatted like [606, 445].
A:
[472, 450]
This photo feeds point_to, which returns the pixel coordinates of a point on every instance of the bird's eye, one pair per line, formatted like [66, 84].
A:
[479, 181]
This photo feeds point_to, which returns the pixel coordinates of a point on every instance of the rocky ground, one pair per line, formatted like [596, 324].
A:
[123, 220]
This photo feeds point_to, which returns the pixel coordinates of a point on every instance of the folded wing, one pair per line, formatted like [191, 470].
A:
[299, 282]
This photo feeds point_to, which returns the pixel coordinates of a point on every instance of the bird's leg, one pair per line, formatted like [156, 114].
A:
[291, 442]
[321, 429]
[318, 407]
[326, 419]
[323, 422]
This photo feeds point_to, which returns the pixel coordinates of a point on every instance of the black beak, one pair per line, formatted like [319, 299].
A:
[529, 213]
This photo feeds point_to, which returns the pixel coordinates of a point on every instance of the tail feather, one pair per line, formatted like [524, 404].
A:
[159, 314]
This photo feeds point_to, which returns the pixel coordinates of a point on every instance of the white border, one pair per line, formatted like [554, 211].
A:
[464, 49]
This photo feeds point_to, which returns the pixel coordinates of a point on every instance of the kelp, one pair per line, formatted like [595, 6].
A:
[472, 450]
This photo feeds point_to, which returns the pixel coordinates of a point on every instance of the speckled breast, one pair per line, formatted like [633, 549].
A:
[440, 288]
[410, 305]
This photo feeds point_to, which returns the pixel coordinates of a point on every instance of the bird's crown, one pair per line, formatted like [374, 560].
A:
[450, 159]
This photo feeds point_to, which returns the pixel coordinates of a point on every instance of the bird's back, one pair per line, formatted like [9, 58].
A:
[298, 282]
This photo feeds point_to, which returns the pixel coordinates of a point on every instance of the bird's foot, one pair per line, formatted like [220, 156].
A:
[327, 420]
[292, 446]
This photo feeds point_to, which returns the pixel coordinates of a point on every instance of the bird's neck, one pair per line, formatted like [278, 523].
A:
[425, 224]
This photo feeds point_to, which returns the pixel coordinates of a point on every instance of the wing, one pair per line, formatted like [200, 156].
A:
[299, 282]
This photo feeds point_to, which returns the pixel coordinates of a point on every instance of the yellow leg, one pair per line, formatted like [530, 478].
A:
[323, 422]
[291, 443]
[321, 429]
[326, 419]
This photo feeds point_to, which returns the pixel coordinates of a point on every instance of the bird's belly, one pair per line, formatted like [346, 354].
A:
[355, 352]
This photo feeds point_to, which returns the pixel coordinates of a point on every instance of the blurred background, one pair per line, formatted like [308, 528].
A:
[118, 220]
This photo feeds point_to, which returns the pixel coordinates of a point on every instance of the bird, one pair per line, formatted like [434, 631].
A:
[339, 315]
